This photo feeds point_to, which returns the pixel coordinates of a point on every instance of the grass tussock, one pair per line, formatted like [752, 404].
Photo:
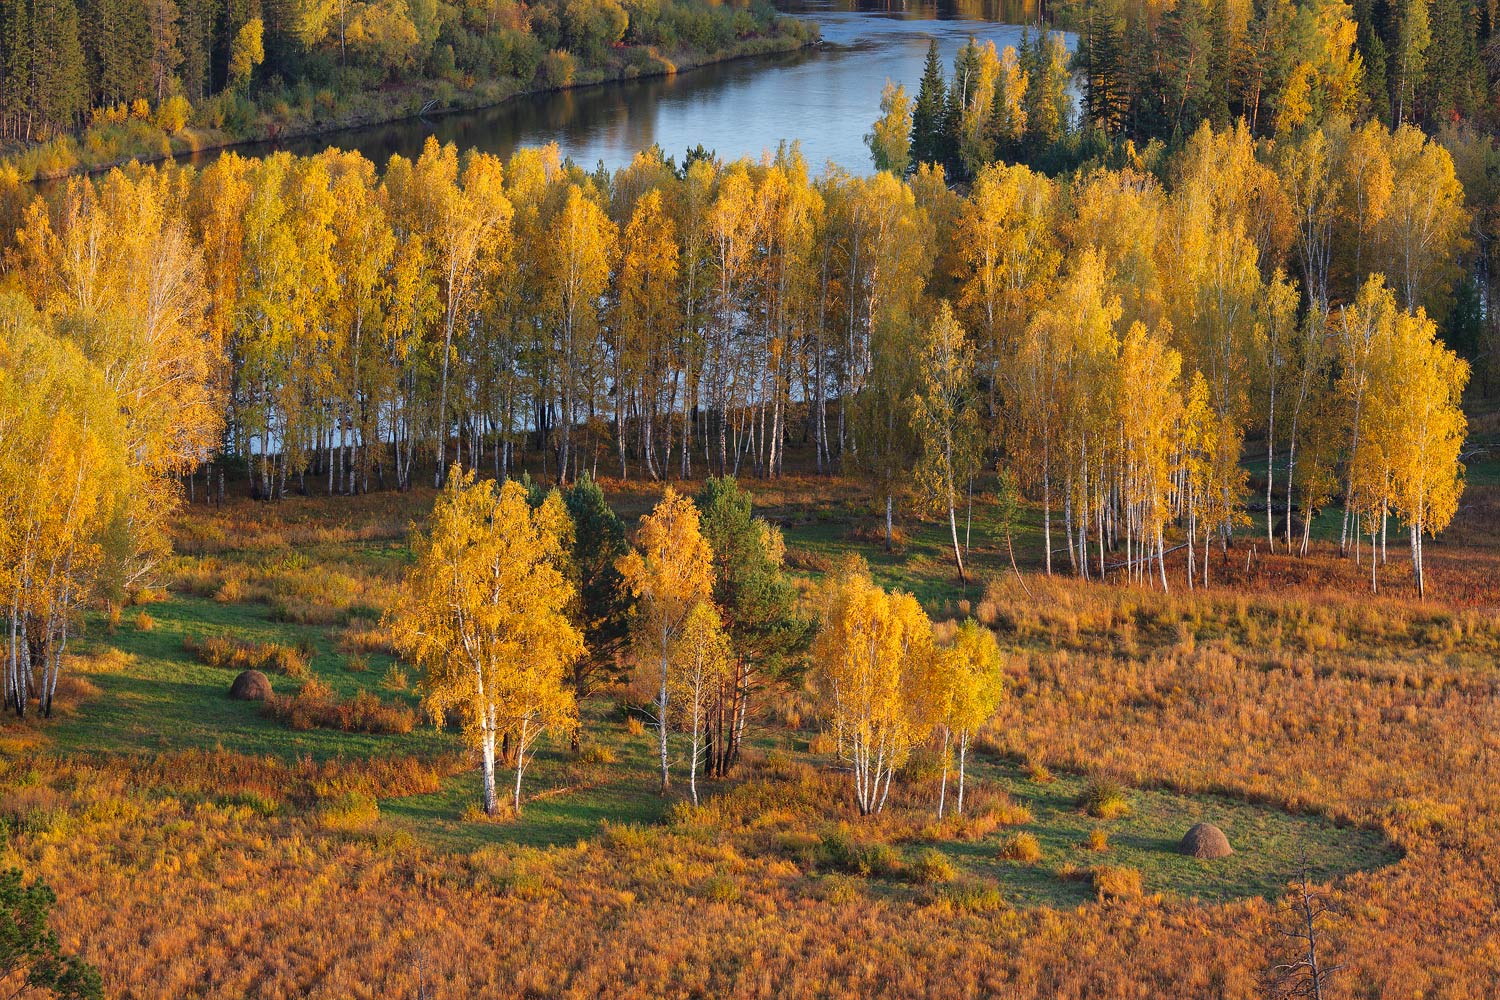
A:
[235, 654]
[315, 706]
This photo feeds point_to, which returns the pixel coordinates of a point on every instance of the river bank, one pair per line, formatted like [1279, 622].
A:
[104, 146]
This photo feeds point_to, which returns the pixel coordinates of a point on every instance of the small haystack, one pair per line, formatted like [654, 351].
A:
[1206, 841]
[250, 685]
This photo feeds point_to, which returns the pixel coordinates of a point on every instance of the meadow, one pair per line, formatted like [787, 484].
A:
[206, 847]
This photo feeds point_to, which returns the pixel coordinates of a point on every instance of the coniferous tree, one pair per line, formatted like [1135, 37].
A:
[603, 608]
[1100, 58]
[929, 120]
[759, 607]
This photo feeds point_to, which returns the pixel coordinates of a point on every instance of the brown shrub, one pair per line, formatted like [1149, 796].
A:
[236, 654]
[1112, 882]
[316, 707]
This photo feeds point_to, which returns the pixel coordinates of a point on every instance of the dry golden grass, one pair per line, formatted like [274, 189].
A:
[1290, 686]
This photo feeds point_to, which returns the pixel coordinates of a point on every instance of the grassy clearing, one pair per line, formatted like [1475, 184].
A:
[1285, 705]
[158, 696]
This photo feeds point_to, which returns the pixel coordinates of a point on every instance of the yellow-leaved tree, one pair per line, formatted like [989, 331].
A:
[701, 658]
[872, 658]
[64, 480]
[972, 680]
[482, 613]
[670, 572]
[1412, 431]
[946, 421]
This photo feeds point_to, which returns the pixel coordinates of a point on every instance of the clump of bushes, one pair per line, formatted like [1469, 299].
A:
[275, 657]
[1111, 882]
[843, 852]
[1105, 798]
[931, 867]
[395, 679]
[315, 706]
[838, 888]
[973, 895]
[1098, 841]
[1022, 847]
[348, 812]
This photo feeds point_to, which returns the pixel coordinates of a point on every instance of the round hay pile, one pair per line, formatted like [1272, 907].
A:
[251, 685]
[1206, 841]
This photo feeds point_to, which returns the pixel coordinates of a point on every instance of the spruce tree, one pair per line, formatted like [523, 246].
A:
[929, 119]
[57, 69]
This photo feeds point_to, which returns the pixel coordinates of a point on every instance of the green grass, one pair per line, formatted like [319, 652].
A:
[563, 802]
[1266, 841]
[159, 698]
[163, 699]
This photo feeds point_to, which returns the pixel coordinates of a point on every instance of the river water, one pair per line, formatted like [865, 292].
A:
[824, 98]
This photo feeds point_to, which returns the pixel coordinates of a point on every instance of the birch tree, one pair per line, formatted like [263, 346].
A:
[869, 657]
[482, 614]
[974, 677]
[670, 571]
[946, 421]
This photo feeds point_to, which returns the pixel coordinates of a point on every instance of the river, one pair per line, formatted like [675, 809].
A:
[824, 98]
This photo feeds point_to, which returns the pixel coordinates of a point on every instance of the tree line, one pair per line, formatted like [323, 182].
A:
[1150, 74]
[1152, 71]
[69, 63]
[1111, 341]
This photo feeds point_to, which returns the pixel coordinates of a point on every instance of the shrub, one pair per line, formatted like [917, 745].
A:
[932, 866]
[722, 889]
[1036, 772]
[173, 113]
[846, 854]
[634, 726]
[595, 753]
[143, 622]
[1022, 847]
[356, 663]
[1112, 882]
[1105, 798]
[839, 888]
[395, 678]
[973, 895]
[1098, 840]
[218, 651]
[348, 812]
[557, 70]
[316, 707]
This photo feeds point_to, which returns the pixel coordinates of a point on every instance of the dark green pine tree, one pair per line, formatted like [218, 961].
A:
[929, 119]
[117, 45]
[1099, 59]
[1455, 82]
[1142, 99]
[196, 23]
[1377, 82]
[960, 94]
[15, 67]
[767, 632]
[1216, 98]
[59, 83]
[604, 607]
[1187, 45]
[29, 950]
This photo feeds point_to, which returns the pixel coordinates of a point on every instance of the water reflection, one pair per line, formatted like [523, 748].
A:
[824, 98]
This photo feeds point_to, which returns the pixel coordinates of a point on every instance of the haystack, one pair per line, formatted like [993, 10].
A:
[250, 685]
[1206, 841]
